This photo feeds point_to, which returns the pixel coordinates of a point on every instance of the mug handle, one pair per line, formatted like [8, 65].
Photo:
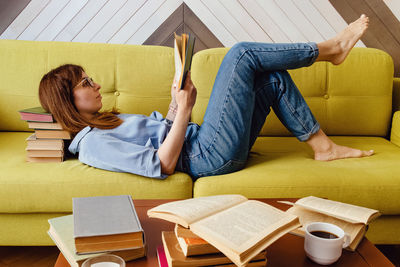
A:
[346, 241]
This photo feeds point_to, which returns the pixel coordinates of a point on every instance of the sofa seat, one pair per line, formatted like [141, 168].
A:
[50, 187]
[284, 167]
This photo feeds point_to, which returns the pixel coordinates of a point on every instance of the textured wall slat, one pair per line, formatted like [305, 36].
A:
[195, 25]
[164, 33]
[80, 20]
[118, 21]
[136, 21]
[59, 22]
[283, 22]
[24, 18]
[154, 21]
[229, 22]
[246, 21]
[265, 22]
[99, 20]
[298, 18]
[211, 22]
[394, 6]
[324, 28]
[43, 19]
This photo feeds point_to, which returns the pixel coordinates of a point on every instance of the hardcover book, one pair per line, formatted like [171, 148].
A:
[37, 114]
[352, 219]
[175, 257]
[62, 233]
[34, 143]
[183, 48]
[44, 125]
[53, 134]
[106, 223]
[256, 224]
[192, 244]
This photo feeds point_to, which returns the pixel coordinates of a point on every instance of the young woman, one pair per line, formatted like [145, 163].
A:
[251, 79]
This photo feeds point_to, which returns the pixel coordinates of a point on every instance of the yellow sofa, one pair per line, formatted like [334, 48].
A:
[352, 102]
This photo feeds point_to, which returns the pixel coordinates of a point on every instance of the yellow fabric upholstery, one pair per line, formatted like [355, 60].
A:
[284, 167]
[354, 98]
[50, 187]
[134, 78]
[395, 134]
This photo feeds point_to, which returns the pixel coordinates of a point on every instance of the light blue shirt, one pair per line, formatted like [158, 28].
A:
[131, 147]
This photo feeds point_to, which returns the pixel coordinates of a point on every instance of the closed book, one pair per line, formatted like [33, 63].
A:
[106, 223]
[52, 134]
[44, 125]
[34, 143]
[191, 244]
[162, 259]
[44, 159]
[44, 153]
[62, 233]
[36, 114]
[175, 256]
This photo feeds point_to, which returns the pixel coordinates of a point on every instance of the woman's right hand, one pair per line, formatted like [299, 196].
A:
[186, 98]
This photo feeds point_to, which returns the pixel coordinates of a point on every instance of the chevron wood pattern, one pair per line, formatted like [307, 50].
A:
[183, 20]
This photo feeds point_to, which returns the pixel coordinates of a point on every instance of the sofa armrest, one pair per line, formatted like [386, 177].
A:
[395, 134]
[396, 94]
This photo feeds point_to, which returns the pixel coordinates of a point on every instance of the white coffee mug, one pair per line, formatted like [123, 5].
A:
[105, 260]
[325, 250]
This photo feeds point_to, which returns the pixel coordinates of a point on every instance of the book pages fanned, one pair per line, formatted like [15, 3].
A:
[242, 231]
[344, 211]
[194, 209]
[354, 230]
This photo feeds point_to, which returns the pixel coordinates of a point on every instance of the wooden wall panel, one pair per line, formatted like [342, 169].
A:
[383, 32]
[9, 10]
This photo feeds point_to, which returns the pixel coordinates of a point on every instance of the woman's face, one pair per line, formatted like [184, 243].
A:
[87, 97]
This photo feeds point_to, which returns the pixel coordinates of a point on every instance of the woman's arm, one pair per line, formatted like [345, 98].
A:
[170, 149]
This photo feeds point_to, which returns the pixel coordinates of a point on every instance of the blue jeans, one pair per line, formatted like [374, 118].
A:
[251, 79]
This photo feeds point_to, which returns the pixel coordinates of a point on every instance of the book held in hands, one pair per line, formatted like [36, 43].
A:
[106, 223]
[240, 228]
[183, 50]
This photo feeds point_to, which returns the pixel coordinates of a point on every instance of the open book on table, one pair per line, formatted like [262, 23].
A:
[238, 227]
[352, 219]
[183, 50]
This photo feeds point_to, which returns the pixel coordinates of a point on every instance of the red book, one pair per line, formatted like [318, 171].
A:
[36, 114]
[162, 259]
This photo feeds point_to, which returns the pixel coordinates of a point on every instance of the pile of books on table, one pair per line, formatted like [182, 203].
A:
[46, 144]
[99, 225]
[223, 230]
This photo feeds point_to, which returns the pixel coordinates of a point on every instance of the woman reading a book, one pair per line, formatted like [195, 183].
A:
[251, 79]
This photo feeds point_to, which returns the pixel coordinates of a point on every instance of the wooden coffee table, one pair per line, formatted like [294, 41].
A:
[287, 251]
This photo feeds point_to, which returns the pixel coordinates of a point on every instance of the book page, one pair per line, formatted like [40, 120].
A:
[193, 209]
[347, 212]
[177, 56]
[308, 216]
[243, 226]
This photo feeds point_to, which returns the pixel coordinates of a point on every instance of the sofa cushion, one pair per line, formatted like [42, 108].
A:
[281, 167]
[50, 187]
[354, 98]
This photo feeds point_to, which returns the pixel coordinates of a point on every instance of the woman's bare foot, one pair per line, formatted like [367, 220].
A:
[325, 149]
[336, 49]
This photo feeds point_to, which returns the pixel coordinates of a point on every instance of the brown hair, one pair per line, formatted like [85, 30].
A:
[56, 97]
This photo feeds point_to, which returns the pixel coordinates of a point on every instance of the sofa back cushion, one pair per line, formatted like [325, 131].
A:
[133, 78]
[354, 98]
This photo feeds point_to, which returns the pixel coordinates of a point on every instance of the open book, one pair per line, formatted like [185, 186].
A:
[183, 50]
[238, 227]
[352, 219]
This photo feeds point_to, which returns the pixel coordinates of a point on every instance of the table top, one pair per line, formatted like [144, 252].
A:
[286, 251]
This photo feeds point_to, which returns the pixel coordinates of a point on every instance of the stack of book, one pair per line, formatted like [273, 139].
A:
[99, 225]
[220, 230]
[46, 144]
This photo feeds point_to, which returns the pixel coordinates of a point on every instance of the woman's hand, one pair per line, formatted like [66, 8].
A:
[186, 98]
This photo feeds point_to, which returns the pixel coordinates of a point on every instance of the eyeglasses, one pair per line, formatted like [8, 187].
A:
[86, 82]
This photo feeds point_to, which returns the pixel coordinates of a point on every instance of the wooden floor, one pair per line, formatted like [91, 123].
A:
[46, 256]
